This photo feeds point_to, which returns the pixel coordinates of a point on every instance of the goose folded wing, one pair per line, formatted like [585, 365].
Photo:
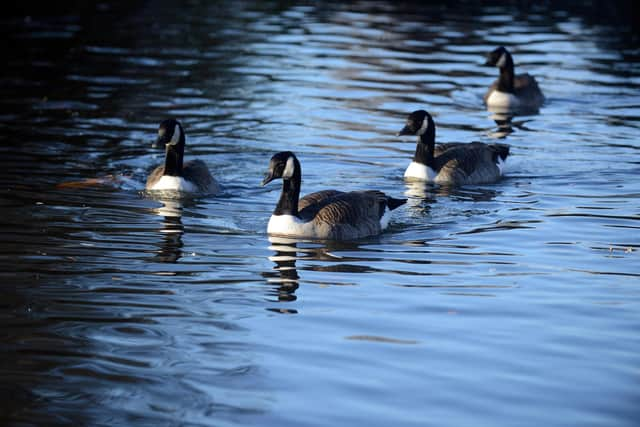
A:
[317, 198]
[197, 172]
[353, 208]
[526, 88]
[441, 148]
[471, 163]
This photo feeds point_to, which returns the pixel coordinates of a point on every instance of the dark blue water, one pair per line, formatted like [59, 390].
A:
[516, 303]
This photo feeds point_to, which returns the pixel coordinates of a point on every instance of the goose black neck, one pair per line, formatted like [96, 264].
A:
[288, 203]
[174, 159]
[426, 145]
[505, 81]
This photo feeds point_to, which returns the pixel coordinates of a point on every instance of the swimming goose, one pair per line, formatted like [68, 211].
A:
[454, 163]
[191, 177]
[511, 91]
[328, 214]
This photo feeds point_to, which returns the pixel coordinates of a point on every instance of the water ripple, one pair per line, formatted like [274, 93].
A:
[120, 308]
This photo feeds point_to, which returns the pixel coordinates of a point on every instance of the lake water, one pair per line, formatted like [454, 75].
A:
[516, 303]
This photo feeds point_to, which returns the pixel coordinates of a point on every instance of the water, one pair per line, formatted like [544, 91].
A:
[508, 304]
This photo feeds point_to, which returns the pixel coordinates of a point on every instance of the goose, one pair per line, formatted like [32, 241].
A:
[454, 163]
[189, 177]
[327, 214]
[509, 90]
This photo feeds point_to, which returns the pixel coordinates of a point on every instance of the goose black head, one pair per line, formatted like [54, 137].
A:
[170, 134]
[498, 57]
[417, 123]
[282, 165]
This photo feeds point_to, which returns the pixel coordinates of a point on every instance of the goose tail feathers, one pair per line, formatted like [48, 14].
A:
[393, 203]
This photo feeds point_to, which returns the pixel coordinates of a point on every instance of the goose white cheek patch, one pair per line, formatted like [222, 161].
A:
[176, 136]
[502, 61]
[424, 127]
[289, 169]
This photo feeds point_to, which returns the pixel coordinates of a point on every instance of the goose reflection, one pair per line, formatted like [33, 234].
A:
[503, 120]
[421, 196]
[473, 194]
[289, 250]
[172, 230]
[509, 121]
[284, 274]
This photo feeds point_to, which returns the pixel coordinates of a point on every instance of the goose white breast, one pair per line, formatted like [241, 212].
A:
[502, 99]
[174, 183]
[419, 171]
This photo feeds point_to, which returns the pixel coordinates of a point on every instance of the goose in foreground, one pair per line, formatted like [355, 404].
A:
[328, 214]
[190, 177]
[454, 163]
[509, 90]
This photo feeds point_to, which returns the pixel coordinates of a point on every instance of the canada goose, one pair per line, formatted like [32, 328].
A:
[454, 163]
[511, 91]
[328, 214]
[191, 177]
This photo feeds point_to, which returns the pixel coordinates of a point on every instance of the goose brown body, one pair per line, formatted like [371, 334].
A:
[452, 163]
[471, 163]
[327, 214]
[194, 171]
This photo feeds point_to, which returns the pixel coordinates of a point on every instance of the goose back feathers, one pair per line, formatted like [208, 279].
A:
[328, 214]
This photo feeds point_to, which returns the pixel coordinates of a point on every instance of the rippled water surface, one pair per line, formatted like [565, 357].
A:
[516, 303]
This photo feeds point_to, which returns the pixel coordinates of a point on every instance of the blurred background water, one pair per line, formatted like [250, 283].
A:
[516, 303]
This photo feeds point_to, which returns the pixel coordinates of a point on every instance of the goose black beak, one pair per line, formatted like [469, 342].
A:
[405, 131]
[268, 178]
